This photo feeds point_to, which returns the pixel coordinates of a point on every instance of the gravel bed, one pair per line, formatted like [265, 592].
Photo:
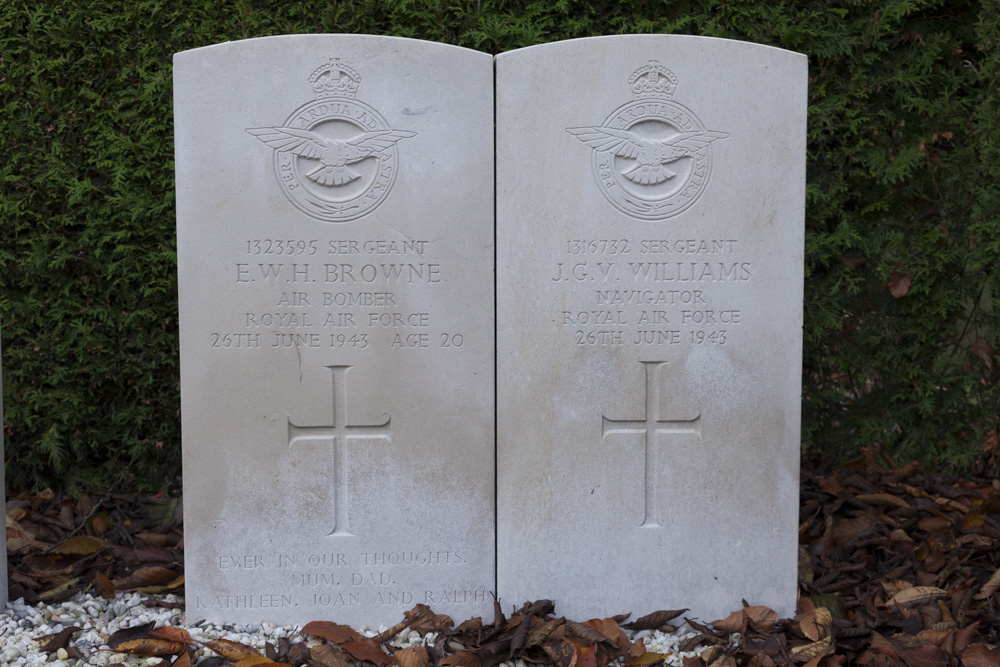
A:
[21, 626]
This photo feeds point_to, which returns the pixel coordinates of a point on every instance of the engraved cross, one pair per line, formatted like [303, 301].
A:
[651, 426]
[339, 431]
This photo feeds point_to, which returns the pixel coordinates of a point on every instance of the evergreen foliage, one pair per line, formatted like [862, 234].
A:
[903, 235]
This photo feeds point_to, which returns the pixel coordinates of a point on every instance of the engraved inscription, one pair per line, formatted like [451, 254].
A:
[337, 579]
[335, 157]
[254, 601]
[339, 432]
[335, 600]
[651, 292]
[651, 426]
[445, 597]
[341, 294]
[651, 157]
[394, 558]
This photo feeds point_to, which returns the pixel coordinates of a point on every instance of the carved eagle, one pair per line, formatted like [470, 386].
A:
[650, 154]
[334, 155]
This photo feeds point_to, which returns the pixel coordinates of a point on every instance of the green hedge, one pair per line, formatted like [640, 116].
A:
[903, 236]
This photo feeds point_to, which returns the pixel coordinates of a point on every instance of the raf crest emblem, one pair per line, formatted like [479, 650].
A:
[335, 157]
[652, 157]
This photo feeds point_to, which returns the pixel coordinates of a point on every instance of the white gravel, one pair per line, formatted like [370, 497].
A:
[21, 626]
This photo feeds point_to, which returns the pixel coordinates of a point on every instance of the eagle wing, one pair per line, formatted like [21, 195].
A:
[288, 139]
[692, 142]
[370, 143]
[620, 142]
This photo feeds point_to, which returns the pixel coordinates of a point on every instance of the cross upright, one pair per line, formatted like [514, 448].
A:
[339, 431]
[651, 425]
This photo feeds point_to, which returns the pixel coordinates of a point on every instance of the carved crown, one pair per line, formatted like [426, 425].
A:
[335, 79]
[653, 80]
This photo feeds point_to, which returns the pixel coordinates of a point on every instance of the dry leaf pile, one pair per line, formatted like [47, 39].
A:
[897, 567]
[531, 634]
[58, 546]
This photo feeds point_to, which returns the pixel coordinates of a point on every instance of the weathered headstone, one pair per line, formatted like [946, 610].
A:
[650, 203]
[335, 254]
[3, 488]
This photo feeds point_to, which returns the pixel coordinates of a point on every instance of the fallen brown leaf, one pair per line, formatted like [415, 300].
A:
[831, 485]
[54, 642]
[253, 661]
[79, 545]
[153, 539]
[990, 587]
[147, 646]
[460, 659]
[424, 620]
[936, 637]
[932, 524]
[927, 655]
[762, 660]
[104, 586]
[100, 525]
[964, 636]
[974, 519]
[812, 651]
[761, 619]
[172, 634]
[986, 352]
[654, 621]
[883, 499]
[149, 575]
[647, 659]
[232, 651]
[63, 586]
[980, 655]
[587, 633]
[366, 651]
[587, 656]
[610, 629]
[183, 660]
[328, 655]
[815, 624]
[899, 284]
[333, 632]
[916, 596]
[540, 629]
[168, 587]
[850, 529]
[735, 622]
[472, 626]
[416, 656]
[561, 652]
[389, 633]
[126, 634]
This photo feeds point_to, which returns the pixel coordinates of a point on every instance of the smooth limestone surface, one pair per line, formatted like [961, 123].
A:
[335, 255]
[650, 202]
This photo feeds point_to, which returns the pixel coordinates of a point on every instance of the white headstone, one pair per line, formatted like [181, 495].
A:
[335, 254]
[650, 204]
[3, 488]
